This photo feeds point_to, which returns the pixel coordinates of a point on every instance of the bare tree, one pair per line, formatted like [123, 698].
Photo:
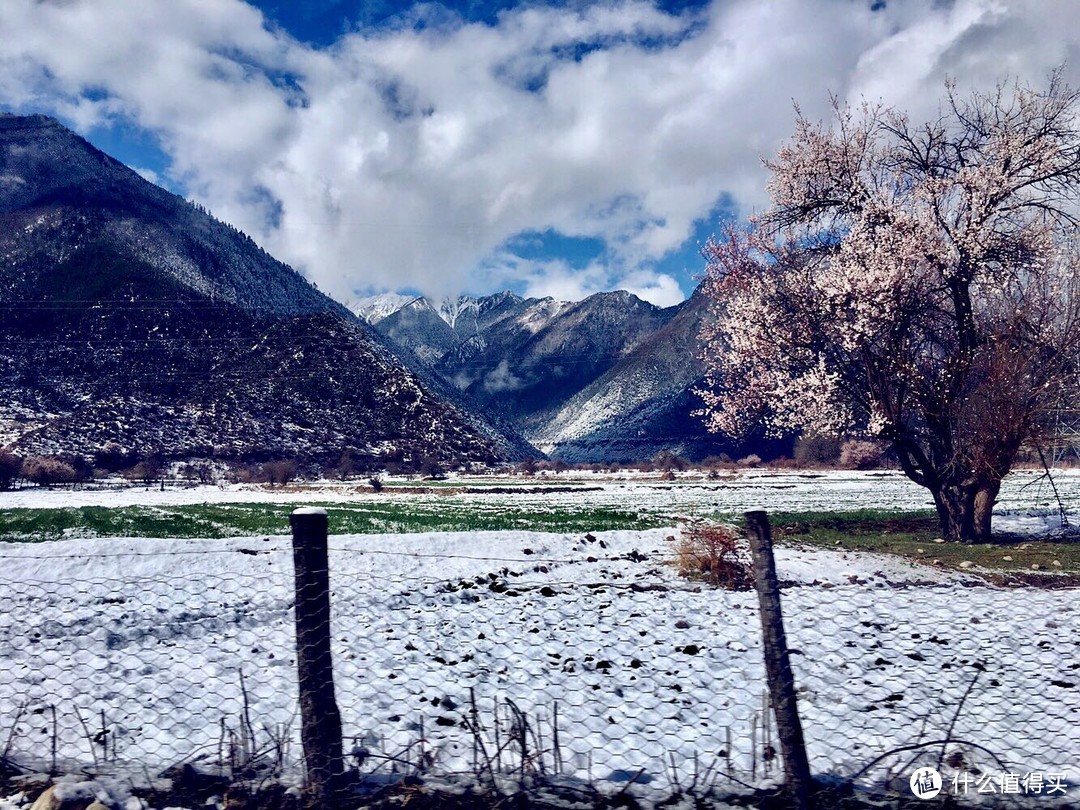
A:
[918, 284]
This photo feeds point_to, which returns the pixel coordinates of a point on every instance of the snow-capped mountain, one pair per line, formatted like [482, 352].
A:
[609, 378]
[374, 308]
[135, 324]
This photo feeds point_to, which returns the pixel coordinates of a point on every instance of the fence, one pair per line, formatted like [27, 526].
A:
[576, 667]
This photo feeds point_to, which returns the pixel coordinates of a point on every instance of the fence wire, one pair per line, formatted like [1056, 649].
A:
[574, 660]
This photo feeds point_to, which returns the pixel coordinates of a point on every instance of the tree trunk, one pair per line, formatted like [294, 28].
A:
[955, 513]
[985, 498]
[965, 510]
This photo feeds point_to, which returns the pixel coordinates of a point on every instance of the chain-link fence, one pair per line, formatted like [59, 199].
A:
[567, 668]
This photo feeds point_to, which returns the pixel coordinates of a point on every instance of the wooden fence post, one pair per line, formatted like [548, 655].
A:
[777, 663]
[320, 730]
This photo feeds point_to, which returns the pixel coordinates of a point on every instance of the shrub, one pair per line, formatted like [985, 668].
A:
[716, 462]
[667, 461]
[858, 454]
[376, 484]
[714, 553]
[113, 458]
[811, 449]
[48, 470]
[349, 463]
[146, 470]
[751, 460]
[278, 472]
[239, 473]
[431, 468]
[200, 471]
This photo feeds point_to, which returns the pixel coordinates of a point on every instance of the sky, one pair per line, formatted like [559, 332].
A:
[552, 148]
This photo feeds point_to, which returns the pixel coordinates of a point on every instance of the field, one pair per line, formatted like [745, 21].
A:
[146, 628]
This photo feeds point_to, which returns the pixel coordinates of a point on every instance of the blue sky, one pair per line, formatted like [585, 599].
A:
[552, 148]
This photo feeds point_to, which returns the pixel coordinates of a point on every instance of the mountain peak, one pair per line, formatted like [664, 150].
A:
[33, 121]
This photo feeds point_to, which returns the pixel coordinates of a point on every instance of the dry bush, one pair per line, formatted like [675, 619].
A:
[431, 468]
[714, 553]
[667, 461]
[48, 470]
[146, 470]
[239, 473]
[858, 454]
[816, 450]
[278, 472]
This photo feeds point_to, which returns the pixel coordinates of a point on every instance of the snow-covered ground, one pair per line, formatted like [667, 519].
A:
[733, 492]
[152, 641]
[148, 639]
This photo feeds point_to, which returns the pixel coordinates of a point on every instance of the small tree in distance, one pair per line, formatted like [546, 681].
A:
[10, 465]
[917, 284]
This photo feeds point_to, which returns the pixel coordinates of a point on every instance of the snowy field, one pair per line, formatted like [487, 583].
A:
[134, 650]
[732, 493]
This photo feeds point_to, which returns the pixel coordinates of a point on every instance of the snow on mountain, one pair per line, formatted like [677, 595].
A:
[374, 308]
[607, 378]
[451, 309]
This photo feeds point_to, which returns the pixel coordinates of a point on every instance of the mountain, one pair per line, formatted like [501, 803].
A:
[135, 324]
[645, 403]
[419, 328]
[527, 363]
[609, 378]
[376, 307]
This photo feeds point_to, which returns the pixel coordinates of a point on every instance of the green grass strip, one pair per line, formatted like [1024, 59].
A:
[244, 519]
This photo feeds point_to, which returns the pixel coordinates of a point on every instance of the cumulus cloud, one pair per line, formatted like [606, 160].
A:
[410, 156]
[559, 280]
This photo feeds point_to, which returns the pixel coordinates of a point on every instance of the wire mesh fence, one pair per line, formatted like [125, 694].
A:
[581, 665]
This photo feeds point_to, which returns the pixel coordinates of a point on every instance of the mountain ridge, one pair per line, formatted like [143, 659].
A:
[610, 378]
[140, 325]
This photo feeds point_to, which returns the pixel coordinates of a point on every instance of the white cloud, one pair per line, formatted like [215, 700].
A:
[149, 175]
[656, 288]
[559, 280]
[554, 279]
[501, 378]
[408, 158]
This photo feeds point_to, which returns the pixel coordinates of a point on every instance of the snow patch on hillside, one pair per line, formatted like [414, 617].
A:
[374, 308]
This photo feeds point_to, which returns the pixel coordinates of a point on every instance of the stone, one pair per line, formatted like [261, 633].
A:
[69, 796]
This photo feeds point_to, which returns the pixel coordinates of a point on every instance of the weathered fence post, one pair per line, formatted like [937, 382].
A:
[777, 663]
[320, 720]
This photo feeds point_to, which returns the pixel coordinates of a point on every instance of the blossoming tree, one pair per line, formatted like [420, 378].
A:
[915, 283]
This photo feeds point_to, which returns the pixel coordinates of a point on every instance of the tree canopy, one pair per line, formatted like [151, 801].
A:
[916, 283]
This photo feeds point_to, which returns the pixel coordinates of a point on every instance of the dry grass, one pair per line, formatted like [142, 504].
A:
[714, 553]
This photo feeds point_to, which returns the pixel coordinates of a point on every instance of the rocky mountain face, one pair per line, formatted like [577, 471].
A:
[135, 324]
[610, 378]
